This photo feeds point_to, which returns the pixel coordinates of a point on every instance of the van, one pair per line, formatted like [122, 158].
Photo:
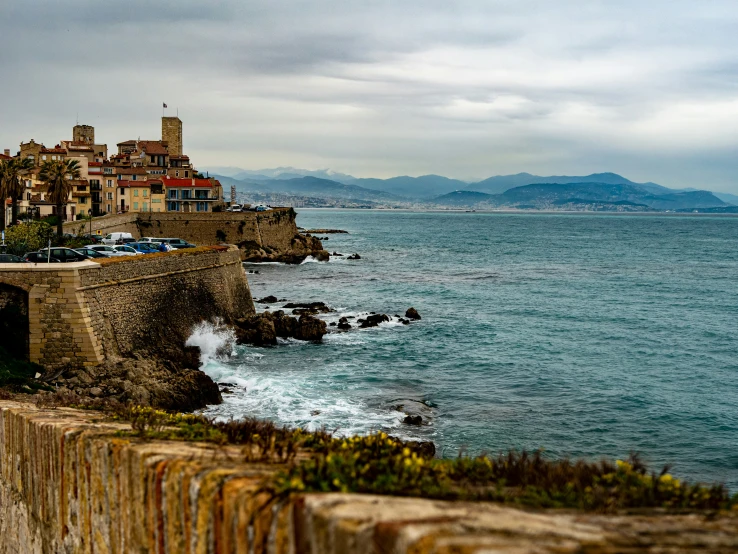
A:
[116, 238]
[234, 208]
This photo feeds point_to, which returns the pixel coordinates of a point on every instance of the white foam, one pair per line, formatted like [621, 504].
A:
[216, 341]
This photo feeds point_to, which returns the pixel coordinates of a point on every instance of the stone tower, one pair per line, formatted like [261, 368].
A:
[171, 132]
[83, 133]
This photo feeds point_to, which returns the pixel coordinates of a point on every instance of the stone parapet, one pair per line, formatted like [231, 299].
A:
[69, 483]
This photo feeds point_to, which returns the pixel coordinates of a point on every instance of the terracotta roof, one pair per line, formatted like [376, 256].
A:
[53, 151]
[4, 157]
[95, 164]
[153, 147]
[127, 143]
[174, 182]
[125, 183]
[179, 157]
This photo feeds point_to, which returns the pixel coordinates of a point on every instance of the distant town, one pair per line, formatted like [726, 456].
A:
[142, 176]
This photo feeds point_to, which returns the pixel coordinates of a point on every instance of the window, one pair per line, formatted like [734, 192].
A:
[187, 173]
[110, 183]
[135, 205]
[134, 178]
[43, 158]
[173, 194]
[145, 207]
[176, 173]
[108, 210]
[146, 192]
[135, 192]
[83, 200]
[156, 200]
[110, 196]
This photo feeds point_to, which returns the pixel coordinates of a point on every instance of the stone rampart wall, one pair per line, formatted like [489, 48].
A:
[81, 313]
[275, 228]
[70, 484]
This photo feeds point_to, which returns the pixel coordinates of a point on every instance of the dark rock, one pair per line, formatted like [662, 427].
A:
[263, 329]
[310, 328]
[373, 320]
[427, 449]
[344, 324]
[412, 313]
[413, 420]
[404, 321]
[322, 231]
[337, 254]
[226, 390]
[354, 257]
[308, 307]
[268, 300]
[332, 324]
[315, 412]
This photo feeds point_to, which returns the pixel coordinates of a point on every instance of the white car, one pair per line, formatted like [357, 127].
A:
[106, 250]
[127, 251]
[115, 238]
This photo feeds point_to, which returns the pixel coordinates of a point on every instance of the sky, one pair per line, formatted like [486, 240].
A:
[374, 88]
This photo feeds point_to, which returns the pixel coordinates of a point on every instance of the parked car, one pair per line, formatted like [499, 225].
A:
[262, 209]
[126, 250]
[116, 238]
[90, 253]
[94, 239]
[38, 258]
[11, 259]
[234, 208]
[177, 243]
[105, 250]
[64, 254]
[145, 247]
[149, 239]
[127, 240]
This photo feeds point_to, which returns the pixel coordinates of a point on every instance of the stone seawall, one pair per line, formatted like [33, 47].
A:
[69, 483]
[79, 314]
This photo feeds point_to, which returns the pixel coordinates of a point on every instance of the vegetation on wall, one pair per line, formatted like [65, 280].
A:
[28, 237]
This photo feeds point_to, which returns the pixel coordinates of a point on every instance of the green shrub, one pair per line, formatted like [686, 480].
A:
[28, 237]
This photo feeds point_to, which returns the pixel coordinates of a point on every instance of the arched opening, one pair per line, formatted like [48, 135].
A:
[14, 321]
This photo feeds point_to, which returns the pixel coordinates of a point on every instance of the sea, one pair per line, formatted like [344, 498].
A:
[581, 335]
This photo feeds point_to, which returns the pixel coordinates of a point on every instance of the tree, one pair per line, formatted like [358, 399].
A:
[3, 190]
[13, 187]
[58, 176]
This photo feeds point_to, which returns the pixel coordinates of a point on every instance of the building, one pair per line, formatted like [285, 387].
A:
[143, 176]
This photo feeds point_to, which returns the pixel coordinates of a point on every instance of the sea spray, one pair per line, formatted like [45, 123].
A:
[215, 340]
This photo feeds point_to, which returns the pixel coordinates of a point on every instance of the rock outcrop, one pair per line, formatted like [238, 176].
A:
[301, 246]
[412, 313]
[263, 329]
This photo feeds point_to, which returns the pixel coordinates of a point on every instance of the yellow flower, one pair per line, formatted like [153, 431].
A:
[405, 451]
[408, 461]
[623, 466]
[666, 478]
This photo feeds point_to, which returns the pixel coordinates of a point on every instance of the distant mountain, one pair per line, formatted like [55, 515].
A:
[426, 186]
[729, 198]
[305, 186]
[293, 173]
[501, 183]
[551, 195]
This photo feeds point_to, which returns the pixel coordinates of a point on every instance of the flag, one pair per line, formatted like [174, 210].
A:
[164, 105]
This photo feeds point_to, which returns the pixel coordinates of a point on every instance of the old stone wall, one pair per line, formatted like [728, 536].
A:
[275, 228]
[71, 484]
[81, 313]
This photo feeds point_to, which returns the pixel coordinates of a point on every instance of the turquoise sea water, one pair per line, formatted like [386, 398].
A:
[584, 335]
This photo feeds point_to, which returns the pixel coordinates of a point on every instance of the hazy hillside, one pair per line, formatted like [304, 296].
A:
[426, 186]
[501, 183]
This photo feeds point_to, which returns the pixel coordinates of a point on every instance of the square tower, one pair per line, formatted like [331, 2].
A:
[84, 134]
[171, 132]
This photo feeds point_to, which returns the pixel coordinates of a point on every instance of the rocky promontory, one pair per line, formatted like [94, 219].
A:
[263, 329]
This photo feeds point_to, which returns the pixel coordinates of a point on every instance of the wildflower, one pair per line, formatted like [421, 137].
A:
[406, 452]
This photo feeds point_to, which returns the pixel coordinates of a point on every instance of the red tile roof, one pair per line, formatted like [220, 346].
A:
[152, 147]
[53, 151]
[179, 157]
[4, 157]
[133, 171]
[174, 182]
[95, 164]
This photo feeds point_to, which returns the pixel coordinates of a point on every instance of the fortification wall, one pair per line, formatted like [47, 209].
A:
[275, 228]
[69, 484]
[81, 313]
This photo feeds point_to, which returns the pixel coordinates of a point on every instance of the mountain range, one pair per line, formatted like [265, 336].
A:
[522, 190]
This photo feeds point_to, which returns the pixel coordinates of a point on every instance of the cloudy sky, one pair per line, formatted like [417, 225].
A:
[465, 89]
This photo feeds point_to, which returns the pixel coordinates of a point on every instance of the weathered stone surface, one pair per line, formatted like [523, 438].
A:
[68, 484]
[263, 329]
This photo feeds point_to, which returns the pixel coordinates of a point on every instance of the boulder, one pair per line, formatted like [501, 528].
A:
[354, 257]
[373, 320]
[412, 313]
[413, 420]
[308, 308]
[258, 330]
[268, 300]
[310, 328]
[344, 324]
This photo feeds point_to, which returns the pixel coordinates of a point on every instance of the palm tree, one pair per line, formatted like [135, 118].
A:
[15, 170]
[58, 176]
